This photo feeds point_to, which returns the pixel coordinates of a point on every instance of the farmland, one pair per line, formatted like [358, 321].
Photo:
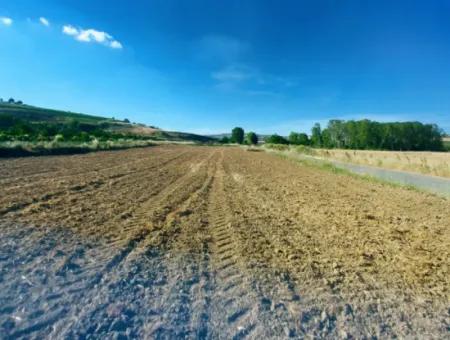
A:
[427, 163]
[207, 242]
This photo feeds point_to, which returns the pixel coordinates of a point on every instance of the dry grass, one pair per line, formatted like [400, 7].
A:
[428, 163]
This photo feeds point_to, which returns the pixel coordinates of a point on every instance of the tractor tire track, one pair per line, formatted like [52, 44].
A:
[141, 255]
[235, 313]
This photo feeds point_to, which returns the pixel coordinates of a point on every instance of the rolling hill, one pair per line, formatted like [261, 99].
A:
[37, 116]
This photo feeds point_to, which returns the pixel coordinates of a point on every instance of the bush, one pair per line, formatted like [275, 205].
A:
[279, 147]
[224, 140]
[251, 138]
[305, 150]
[58, 138]
[276, 139]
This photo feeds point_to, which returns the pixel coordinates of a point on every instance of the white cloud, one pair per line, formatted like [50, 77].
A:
[92, 35]
[44, 21]
[6, 21]
[70, 30]
[116, 44]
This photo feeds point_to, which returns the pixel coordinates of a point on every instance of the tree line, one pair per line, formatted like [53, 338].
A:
[366, 134]
[369, 135]
[357, 134]
[12, 101]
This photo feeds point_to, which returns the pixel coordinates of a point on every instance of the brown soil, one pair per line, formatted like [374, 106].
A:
[203, 242]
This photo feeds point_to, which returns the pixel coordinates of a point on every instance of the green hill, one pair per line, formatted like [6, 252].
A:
[26, 129]
[36, 114]
[36, 117]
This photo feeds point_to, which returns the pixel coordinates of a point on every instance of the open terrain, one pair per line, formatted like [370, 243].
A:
[208, 242]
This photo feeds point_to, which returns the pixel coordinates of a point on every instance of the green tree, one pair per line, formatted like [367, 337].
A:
[316, 135]
[237, 135]
[366, 134]
[251, 138]
[276, 139]
[224, 140]
[293, 138]
[298, 138]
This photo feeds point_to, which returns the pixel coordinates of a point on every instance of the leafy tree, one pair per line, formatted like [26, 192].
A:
[316, 135]
[224, 140]
[303, 139]
[11, 100]
[276, 139]
[126, 120]
[293, 138]
[251, 138]
[237, 135]
[298, 138]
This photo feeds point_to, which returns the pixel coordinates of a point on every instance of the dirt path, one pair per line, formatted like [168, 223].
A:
[201, 242]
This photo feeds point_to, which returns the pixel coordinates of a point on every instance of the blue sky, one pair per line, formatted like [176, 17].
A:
[207, 66]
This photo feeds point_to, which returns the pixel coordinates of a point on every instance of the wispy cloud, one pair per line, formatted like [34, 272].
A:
[233, 73]
[220, 48]
[6, 21]
[92, 35]
[44, 21]
[243, 79]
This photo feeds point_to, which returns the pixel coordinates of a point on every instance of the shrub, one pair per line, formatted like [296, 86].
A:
[279, 147]
[276, 139]
[58, 138]
[251, 138]
[224, 140]
[305, 150]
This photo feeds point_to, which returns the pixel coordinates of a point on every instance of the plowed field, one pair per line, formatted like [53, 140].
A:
[202, 242]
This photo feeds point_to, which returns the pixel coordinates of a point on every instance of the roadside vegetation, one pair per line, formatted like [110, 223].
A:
[427, 163]
[395, 146]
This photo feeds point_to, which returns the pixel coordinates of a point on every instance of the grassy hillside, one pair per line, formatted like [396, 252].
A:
[36, 114]
[28, 129]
